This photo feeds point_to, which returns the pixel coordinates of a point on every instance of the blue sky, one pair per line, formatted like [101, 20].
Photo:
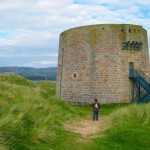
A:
[30, 29]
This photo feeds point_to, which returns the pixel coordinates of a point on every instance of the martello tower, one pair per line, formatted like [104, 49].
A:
[94, 62]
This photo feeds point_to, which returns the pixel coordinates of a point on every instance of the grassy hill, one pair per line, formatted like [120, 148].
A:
[32, 118]
[32, 73]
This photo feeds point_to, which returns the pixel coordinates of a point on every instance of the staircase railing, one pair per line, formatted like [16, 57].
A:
[140, 76]
[139, 73]
[143, 75]
[142, 95]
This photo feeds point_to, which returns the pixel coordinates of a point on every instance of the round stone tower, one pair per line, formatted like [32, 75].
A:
[94, 62]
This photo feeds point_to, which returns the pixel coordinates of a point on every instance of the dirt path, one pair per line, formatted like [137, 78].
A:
[88, 127]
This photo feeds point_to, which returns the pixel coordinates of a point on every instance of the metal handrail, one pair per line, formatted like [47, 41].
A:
[143, 75]
[139, 73]
[142, 94]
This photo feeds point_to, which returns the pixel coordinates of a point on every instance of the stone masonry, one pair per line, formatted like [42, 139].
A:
[94, 60]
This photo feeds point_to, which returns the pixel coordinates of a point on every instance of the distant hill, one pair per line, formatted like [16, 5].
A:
[32, 73]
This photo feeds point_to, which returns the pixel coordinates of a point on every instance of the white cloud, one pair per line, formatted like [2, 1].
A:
[38, 23]
[29, 55]
[28, 37]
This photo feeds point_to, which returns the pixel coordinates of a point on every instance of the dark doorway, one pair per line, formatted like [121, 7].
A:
[131, 69]
[131, 65]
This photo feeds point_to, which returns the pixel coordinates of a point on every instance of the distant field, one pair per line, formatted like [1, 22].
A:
[32, 118]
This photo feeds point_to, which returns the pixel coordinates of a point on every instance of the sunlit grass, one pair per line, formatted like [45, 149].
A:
[130, 129]
[32, 118]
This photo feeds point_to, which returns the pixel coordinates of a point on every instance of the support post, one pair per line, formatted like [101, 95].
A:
[139, 89]
[132, 91]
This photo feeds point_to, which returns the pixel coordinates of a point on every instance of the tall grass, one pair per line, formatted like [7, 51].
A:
[19, 80]
[31, 117]
[132, 116]
[130, 130]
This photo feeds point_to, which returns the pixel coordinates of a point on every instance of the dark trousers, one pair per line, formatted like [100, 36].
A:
[95, 115]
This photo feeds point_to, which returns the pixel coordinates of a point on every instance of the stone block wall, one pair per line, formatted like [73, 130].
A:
[93, 62]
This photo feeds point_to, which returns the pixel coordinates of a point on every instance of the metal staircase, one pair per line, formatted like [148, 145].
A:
[140, 86]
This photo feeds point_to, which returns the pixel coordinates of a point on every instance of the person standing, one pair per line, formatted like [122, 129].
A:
[96, 108]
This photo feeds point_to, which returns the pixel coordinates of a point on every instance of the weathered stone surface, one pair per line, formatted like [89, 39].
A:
[95, 65]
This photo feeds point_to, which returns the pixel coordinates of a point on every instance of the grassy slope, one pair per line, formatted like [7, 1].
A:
[32, 118]
[130, 130]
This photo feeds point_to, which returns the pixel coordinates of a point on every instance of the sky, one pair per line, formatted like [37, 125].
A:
[30, 29]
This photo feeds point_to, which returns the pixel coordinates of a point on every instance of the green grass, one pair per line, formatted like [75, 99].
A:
[32, 118]
[130, 130]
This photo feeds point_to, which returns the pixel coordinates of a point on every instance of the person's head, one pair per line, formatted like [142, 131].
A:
[96, 99]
